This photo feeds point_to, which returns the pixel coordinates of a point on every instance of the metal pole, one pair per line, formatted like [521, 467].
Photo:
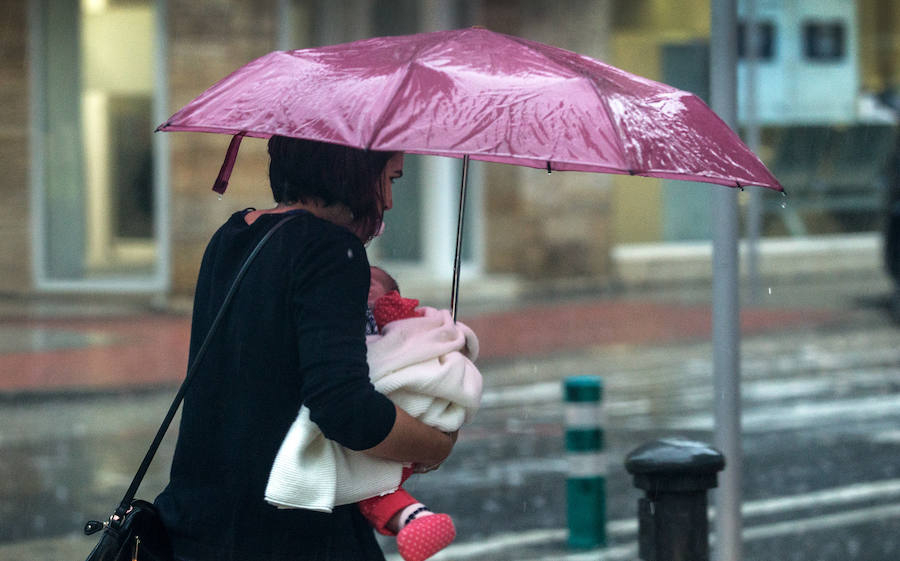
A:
[161, 161]
[454, 291]
[284, 30]
[726, 308]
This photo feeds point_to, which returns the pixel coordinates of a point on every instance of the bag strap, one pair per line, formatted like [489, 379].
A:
[192, 368]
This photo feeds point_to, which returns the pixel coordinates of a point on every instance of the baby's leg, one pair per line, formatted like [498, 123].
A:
[383, 512]
[420, 532]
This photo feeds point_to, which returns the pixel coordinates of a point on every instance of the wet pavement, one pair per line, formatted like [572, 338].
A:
[81, 395]
[140, 349]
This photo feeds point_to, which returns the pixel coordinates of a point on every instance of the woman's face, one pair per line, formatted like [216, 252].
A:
[393, 171]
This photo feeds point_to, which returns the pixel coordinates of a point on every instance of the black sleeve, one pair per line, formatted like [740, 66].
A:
[329, 297]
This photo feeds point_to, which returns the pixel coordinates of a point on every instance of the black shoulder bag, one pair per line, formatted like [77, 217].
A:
[134, 531]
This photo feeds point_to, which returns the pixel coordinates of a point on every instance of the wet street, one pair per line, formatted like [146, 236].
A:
[822, 451]
[821, 442]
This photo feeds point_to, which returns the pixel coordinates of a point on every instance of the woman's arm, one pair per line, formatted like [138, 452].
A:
[411, 440]
[329, 292]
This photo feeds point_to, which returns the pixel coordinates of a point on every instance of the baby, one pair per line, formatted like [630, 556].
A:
[422, 360]
[380, 284]
[420, 532]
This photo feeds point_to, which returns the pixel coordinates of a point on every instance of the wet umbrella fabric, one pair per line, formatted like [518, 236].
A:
[481, 94]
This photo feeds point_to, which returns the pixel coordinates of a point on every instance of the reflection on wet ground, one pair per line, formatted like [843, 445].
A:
[64, 462]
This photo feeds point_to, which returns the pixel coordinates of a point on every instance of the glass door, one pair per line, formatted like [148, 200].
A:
[99, 190]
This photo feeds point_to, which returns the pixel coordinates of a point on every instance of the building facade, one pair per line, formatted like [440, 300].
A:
[98, 203]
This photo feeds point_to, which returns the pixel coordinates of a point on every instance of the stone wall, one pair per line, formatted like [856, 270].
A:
[15, 223]
[206, 41]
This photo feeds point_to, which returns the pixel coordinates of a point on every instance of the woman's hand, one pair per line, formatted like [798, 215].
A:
[423, 468]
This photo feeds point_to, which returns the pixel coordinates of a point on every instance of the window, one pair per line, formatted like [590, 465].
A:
[765, 40]
[824, 41]
[98, 201]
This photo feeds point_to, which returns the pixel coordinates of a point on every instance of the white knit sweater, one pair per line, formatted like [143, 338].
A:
[425, 366]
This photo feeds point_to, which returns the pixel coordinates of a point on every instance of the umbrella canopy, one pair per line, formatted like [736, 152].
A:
[481, 94]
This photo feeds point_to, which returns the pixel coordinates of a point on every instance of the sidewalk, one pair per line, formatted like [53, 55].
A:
[125, 348]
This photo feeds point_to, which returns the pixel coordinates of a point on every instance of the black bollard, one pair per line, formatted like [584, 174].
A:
[675, 474]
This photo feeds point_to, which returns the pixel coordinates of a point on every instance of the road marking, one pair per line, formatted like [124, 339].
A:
[887, 437]
[628, 551]
[824, 522]
[551, 392]
[821, 386]
[875, 490]
[882, 490]
[768, 418]
[795, 416]
[542, 392]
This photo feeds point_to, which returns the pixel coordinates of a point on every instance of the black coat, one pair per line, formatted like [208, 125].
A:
[294, 335]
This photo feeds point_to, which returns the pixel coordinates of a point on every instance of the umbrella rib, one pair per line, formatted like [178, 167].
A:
[619, 131]
[387, 106]
[593, 84]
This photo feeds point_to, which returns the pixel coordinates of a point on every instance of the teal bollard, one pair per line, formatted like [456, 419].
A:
[586, 482]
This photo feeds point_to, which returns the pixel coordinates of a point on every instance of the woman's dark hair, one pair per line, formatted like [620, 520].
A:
[303, 170]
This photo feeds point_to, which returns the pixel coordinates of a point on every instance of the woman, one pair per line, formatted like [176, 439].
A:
[294, 335]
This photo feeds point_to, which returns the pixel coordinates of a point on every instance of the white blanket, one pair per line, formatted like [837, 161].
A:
[425, 366]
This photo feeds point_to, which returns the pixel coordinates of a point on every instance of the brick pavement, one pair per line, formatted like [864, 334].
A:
[144, 349]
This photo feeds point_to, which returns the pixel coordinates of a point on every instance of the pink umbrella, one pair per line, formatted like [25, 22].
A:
[474, 93]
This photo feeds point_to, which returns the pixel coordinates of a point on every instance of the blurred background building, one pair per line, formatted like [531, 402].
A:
[95, 202]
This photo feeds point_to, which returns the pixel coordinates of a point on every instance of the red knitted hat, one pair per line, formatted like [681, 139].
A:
[392, 307]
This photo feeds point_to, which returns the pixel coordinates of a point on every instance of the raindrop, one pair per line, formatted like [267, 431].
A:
[770, 290]
[220, 196]
[783, 204]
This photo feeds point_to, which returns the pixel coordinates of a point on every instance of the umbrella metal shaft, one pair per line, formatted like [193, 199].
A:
[457, 259]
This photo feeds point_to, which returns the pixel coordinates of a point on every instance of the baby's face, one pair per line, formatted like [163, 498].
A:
[377, 287]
